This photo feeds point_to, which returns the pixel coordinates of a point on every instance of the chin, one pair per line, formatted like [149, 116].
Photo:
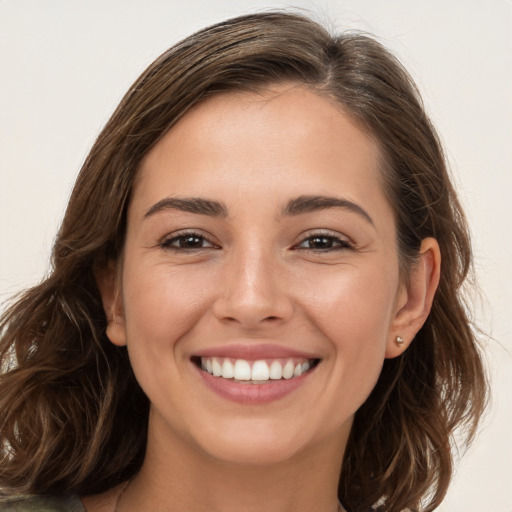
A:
[260, 443]
[254, 454]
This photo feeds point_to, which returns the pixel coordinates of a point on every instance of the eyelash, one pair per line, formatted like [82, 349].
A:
[336, 243]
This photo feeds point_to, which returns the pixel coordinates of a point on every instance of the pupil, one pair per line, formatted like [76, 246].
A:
[321, 242]
[191, 241]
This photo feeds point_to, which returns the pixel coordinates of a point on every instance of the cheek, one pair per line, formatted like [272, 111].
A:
[162, 303]
[354, 313]
[162, 307]
[354, 304]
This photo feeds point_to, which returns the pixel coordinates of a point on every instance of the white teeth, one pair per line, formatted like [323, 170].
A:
[216, 367]
[242, 370]
[288, 370]
[227, 369]
[257, 371]
[260, 371]
[276, 370]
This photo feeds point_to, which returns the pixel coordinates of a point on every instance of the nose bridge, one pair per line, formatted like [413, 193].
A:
[256, 270]
[253, 290]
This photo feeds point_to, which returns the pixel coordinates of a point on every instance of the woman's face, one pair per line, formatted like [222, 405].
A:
[259, 243]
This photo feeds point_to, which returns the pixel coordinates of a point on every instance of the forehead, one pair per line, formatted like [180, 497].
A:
[287, 137]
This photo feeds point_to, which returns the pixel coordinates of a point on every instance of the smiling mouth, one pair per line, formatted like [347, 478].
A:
[255, 372]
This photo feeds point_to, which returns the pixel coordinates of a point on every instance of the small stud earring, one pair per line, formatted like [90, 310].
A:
[399, 341]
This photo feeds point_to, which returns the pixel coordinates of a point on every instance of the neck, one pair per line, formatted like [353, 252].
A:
[183, 478]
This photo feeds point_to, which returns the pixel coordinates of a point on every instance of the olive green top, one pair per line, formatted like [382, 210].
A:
[42, 504]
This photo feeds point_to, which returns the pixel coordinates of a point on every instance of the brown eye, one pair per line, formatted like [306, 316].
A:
[186, 241]
[190, 242]
[323, 243]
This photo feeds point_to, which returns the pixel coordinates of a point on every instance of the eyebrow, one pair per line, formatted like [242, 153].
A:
[307, 204]
[297, 206]
[191, 205]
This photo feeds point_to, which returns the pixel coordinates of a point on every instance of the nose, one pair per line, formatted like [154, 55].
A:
[253, 293]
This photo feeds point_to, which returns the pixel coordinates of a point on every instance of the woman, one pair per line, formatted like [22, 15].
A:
[247, 308]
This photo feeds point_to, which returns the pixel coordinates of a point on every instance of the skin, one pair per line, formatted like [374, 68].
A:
[325, 282]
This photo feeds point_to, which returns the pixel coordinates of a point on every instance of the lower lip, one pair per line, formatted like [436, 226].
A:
[253, 393]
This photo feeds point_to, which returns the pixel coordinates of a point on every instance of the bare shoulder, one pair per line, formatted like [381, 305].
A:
[41, 504]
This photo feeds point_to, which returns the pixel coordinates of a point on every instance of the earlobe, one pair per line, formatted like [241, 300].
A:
[108, 282]
[416, 297]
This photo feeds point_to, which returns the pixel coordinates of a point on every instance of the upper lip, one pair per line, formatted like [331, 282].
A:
[254, 351]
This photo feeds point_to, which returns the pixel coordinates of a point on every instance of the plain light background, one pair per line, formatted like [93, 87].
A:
[65, 64]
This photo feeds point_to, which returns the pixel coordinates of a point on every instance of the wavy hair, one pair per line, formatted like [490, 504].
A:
[74, 419]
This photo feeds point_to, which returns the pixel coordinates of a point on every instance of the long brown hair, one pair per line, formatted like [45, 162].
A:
[73, 418]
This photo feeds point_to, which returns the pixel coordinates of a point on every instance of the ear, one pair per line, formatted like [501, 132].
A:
[108, 281]
[415, 298]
